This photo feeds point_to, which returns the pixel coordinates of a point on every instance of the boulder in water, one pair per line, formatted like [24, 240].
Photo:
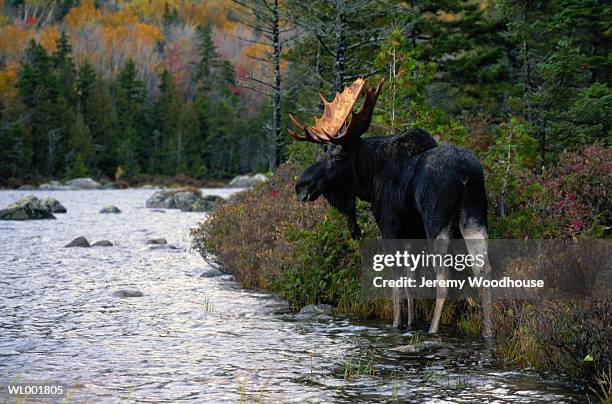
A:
[84, 183]
[418, 347]
[186, 199]
[27, 208]
[110, 209]
[102, 243]
[128, 293]
[54, 186]
[78, 242]
[244, 181]
[26, 187]
[317, 309]
[157, 241]
[53, 205]
[161, 200]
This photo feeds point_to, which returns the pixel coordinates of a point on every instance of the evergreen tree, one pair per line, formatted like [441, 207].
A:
[131, 118]
[38, 91]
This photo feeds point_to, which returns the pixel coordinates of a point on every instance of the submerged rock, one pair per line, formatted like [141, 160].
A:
[53, 205]
[116, 185]
[102, 243]
[78, 242]
[244, 181]
[316, 309]
[54, 186]
[84, 183]
[418, 347]
[163, 247]
[110, 209]
[128, 293]
[27, 208]
[157, 241]
[211, 273]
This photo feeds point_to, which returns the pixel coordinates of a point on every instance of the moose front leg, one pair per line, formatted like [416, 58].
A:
[354, 226]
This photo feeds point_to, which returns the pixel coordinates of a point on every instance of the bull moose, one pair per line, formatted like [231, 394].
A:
[417, 189]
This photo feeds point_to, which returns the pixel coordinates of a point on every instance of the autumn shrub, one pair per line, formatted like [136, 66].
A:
[567, 200]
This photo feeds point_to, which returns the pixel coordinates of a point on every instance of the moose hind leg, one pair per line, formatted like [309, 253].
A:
[397, 307]
[476, 242]
[440, 246]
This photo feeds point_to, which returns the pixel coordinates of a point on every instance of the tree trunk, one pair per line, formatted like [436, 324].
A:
[340, 45]
[276, 152]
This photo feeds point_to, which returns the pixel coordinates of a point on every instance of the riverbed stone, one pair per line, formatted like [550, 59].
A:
[27, 208]
[110, 209]
[184, 199]
[161, 200]
[102, 243]
[84, 183]
[245, 181]
[78, 242]
[53, 205]
[128, 293]
[54, 186]
[157, 241]
[418, 347]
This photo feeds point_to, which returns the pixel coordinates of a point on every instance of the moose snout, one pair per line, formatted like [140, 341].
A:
[302, 193]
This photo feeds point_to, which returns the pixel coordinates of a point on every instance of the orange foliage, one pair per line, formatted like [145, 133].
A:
[13, 40]
[84, 14]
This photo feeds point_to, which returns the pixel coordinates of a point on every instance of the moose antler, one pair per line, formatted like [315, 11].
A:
[328, 128]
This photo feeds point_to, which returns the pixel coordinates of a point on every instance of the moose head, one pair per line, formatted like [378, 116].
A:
[334, 175]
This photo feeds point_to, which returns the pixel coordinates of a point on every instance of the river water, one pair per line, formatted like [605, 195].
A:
[190, 338]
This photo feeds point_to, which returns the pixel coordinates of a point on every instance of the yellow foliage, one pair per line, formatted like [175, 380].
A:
[84, 14]
[121, 17]
[48, 37]
[147, 33]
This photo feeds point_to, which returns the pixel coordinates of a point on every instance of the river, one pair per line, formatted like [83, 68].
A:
[191, 338]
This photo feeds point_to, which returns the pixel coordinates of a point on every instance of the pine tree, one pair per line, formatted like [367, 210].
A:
[38, 91]
[169, 108]
[131, 121]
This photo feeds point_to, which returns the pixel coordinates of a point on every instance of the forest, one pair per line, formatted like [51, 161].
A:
[202, 88]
